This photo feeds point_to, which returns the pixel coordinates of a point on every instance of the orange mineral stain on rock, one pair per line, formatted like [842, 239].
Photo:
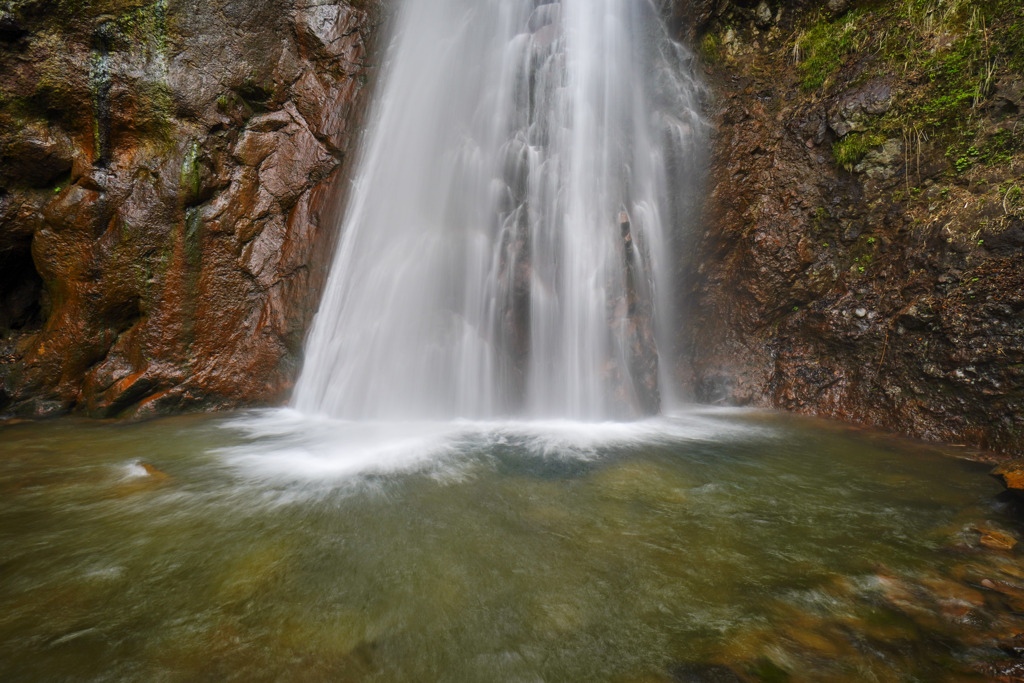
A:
[171, 257]
[1011, 474]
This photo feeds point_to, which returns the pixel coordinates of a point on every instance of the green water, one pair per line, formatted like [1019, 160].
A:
[712, 546]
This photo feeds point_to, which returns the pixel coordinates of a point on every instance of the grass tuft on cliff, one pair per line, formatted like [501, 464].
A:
[820, 49]
[849, 150]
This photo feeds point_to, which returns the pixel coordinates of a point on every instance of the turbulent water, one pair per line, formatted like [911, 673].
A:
[707, 546]
[510, 238]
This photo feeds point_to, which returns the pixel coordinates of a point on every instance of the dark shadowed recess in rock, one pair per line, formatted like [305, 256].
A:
[20, 291]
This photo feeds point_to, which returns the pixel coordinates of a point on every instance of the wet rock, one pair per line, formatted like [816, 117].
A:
[37, 156]
[11, 29]
[1014, 645]
[1011, 474]
[837, 7]
[324, 27]
[1009, 94]
[1012, 594]
[996, 539]
[637, 384]
[763, 15]
[792, 245]
[854, 111]
[882, 163]
[957, 601]
[690, 18]
[142, 478]
[167, 182]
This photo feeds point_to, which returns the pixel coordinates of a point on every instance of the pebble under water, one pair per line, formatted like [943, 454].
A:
[707, 546]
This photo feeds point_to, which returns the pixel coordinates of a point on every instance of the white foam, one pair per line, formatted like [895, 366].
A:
[134, 470]
[287, 444]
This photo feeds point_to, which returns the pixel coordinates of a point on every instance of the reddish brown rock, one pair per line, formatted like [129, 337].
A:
[168, 177]
[997, 540]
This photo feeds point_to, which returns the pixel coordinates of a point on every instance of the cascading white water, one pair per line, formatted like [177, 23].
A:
[511, 236]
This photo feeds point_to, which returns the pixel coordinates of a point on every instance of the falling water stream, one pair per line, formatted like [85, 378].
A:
[486, 474]
[511, 234]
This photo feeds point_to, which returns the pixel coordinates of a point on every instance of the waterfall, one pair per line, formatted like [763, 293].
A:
[511, 238]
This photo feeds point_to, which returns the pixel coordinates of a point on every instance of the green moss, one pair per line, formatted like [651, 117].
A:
[849, 150]
[193, 237]
[959, 76]
[996, 150]
[951, 50]
[143, 27]
[818, 219]
[710, 48]
[821, 49]
[99, 91]
[1000, 147]
[1012, 43]
[190, 176]
[1012, 199]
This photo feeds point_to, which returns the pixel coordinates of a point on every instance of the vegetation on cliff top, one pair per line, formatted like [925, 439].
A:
[952, 49]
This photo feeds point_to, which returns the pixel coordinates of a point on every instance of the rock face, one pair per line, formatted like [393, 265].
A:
[167, 175]
[862, 252]
[168, 168]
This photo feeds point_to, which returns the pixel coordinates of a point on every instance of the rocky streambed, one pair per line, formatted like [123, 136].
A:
[706, 546]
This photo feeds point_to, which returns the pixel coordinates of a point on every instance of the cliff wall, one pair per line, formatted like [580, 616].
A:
[862, 252]
[167, 168]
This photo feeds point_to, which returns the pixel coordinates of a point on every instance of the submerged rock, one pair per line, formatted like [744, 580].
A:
[996, 539]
